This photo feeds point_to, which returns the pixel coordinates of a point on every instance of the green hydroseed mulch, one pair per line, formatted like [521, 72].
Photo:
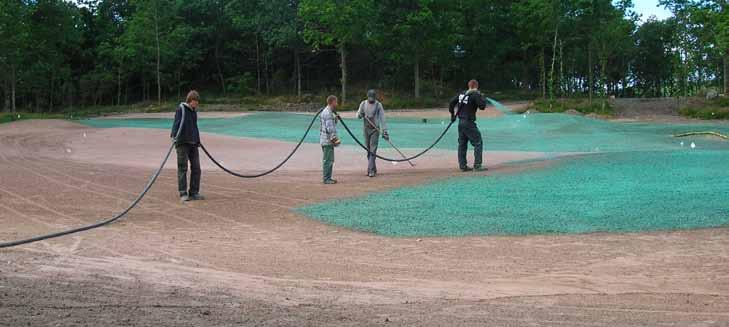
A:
[616, 192]
[635, 177]
[534, 132]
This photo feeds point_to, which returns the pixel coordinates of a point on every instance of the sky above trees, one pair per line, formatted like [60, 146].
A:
[648, 8]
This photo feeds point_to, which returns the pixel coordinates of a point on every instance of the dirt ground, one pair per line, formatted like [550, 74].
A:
[244, 258]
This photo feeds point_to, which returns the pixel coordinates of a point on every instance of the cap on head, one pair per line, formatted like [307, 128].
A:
[473, 84]
[372, 95]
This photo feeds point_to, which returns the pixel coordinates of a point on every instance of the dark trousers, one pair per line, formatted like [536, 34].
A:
[327, 161]
[468, 132]
[372, 139]
[188, 153]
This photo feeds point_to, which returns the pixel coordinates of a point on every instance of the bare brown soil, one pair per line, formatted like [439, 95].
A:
[170, 115]
[244, 258]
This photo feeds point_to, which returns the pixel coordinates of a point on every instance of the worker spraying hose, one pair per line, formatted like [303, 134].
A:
[466, 104]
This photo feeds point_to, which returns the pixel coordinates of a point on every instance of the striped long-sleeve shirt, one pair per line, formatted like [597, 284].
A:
[328, 128]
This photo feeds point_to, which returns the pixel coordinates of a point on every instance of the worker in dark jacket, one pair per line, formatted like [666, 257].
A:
[464, 108]
[187, 144]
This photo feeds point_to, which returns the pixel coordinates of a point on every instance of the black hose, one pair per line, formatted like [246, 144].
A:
[154, 177]
[296, 148]
[396, 160]
[116, 217]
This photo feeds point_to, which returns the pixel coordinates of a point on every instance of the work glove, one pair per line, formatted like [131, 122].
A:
[386, 136]
[453, 118]
[335, 141]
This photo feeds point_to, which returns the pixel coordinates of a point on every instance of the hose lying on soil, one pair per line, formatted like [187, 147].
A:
[116, 217]
[154, 177]
[296, 148]
[702, 133]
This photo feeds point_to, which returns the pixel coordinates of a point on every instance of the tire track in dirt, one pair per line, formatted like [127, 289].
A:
[53, 249]
[68, 185]
[25, 158]
[107, 249]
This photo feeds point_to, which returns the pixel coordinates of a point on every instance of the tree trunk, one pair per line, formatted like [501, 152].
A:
[589, 73]
[266, 73]
[554, 58]
[561, 68]
[525, 72]
[51, 93]
[156, 35]
[726, 73]
[603, 74]
[179, 83]
[13, 84]
[297, 64]
[118, 86]
[343, 67]
[258, 65]
[6, 94]
[543, 73]
[221, 78]
[416, 72]
[441, 80]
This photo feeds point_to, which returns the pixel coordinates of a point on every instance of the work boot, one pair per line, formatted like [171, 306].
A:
[196, 197]
[466, 169]
[330, 181]
[480, 168]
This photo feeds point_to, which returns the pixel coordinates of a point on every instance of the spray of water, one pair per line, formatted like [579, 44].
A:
[499, 106]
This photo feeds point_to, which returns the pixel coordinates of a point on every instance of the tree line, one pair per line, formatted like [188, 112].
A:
[60, 54]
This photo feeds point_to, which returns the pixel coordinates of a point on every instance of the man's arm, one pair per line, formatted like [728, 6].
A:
[330, 126]
[381, 118]
[360, 111]
[480, 102]
[176, 124]
[452, 105]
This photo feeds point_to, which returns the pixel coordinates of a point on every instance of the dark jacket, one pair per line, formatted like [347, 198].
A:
[466, 103]
[190, 133]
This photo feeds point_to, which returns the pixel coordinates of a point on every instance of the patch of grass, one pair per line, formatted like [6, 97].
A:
[705, 113]
[712, 109]
[598, 106]
[98, 111]
[7, 117]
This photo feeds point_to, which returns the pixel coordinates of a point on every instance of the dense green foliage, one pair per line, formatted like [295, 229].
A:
[59, 54]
